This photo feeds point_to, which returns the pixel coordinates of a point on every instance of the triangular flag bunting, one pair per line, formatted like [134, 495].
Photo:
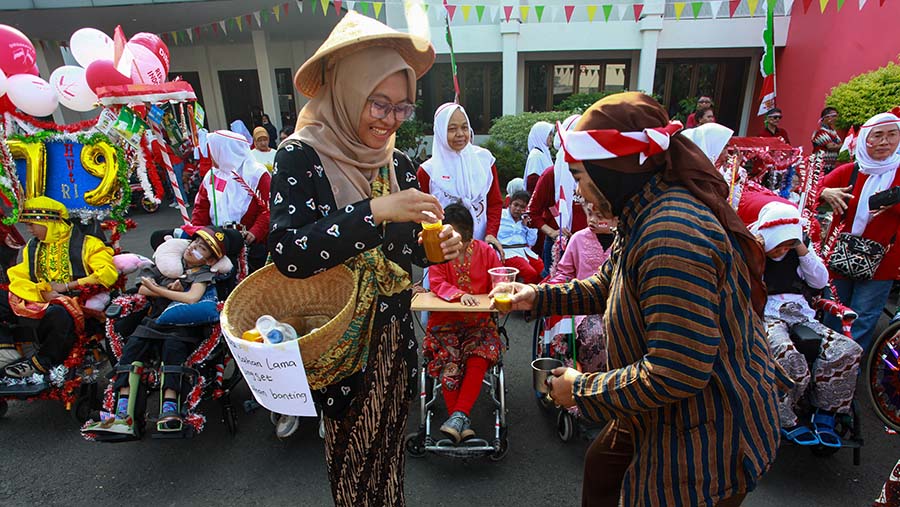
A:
[240, 23]
[249, 20]
[377, 6]
[197, 32]
[337, 6]
[569, 10]
[300, 6]
[620, 11]
[715, 6]
[466, 10]
[861, 4]
[324, 4]
[695, 7]
[806, 4]
[258, 20]
[190, 36]
[881, 3]
[523, 12]
[364, 8]
[539, 11]
[507, 10]
[732, 7]
[284, 8]
[752, 4]
[265, 16]
[350, 5]
[222, 24]
[592, 9]
[822, 5]
[494, 13]
[479, 11]
[679, 8]
[637, 11]
[451, 10]
[215, 27]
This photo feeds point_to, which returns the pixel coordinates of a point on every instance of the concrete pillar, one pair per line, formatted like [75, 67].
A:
[751, 102]
[650, 24]
[510, 34]
[520, 85]
[267, 83]
[46, 68]
[212, 99]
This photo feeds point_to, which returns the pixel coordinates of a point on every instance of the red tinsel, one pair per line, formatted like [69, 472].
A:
[130, 303]
[780, 221]
[49, 125]
[152, 171]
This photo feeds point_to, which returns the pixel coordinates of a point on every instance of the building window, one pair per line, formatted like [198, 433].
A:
[677, 83]
[549, 83]
[284, 81]
[481, 88]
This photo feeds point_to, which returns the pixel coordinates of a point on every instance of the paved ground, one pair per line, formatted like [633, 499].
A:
[45, 461]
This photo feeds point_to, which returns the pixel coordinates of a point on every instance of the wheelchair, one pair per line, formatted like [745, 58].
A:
[882, 375]
[421, 442]
[208, 374]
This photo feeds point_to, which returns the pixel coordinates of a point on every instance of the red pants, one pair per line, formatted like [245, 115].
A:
[464, 398]
[529, 269]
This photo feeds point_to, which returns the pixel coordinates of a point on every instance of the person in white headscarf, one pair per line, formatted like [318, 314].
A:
[553, 209]
[539, 158]
[847, 190]
[459, 171]
[239, 127]
[711, 138]
[241, 195]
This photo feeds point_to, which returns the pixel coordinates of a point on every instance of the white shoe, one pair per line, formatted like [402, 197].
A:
[8, 356]
[174, 204]
[287, 425]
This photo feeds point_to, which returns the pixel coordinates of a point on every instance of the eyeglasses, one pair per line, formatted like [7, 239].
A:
[775, 117]
[380, 110]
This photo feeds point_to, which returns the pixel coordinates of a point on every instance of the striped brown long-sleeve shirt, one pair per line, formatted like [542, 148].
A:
[690, 372]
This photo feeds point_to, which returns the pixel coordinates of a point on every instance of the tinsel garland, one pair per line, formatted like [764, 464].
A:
[116, 234]
[9, 181]
[47, 125]
[130, 303]
[151, 181]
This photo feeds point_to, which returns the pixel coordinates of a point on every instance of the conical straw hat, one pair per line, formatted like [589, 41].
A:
[353, 33]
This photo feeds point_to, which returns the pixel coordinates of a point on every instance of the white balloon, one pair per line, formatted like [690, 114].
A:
[71, 86]
[146, 67]
[32, 95]
[89, 45]
[2, 83]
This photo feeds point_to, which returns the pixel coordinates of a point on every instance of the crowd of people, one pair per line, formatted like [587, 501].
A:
[686, 316]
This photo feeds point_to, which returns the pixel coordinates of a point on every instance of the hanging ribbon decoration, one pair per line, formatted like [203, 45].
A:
[452, 53]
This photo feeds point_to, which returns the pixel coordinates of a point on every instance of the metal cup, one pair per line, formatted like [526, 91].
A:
[540, 371]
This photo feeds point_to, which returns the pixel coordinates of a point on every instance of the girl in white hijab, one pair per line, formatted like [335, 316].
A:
[539, 158]
[232, 162]
[463, 173]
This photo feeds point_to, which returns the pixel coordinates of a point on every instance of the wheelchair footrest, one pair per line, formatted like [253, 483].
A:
[113, 438]
[27, 389]
[187, 431]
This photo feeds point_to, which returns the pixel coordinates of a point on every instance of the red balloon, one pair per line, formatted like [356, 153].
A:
[104, 73]
[6, 104]
[17, 55]
[155, 44]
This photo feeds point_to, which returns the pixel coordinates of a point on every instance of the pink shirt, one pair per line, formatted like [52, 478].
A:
[583, 256]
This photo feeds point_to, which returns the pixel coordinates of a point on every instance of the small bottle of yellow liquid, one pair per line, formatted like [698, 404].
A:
[431, 240]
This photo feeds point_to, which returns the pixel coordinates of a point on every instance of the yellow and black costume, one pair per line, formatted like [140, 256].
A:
[64, 256]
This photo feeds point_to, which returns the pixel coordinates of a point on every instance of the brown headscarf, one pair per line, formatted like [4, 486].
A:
[682, 164]
[329, 122]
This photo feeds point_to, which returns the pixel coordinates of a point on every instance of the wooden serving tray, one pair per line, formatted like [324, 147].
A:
[428, 302]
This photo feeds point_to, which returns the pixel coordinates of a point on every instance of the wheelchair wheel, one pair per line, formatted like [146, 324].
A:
[86, 406]
[149, 206]
[229, 417]
[565, 425]
[4, 407]
[502, 449]
[415, 445]
[882, 373]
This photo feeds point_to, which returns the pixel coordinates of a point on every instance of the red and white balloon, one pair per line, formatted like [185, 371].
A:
[32, 95]
[70, 84]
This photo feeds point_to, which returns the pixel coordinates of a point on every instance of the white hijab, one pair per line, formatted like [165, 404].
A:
[880, 173]
[463, 176]
[711, 138]
[238, 127]
[231, 156]
[539, 158]
[202, 148]
[563, 181]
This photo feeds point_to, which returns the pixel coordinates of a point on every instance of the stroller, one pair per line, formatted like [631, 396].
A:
[208, 374]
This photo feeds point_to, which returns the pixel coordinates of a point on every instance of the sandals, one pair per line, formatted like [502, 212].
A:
[169, 422]
[111, 425]
[823, 423]
[21, 369]
[801, 435]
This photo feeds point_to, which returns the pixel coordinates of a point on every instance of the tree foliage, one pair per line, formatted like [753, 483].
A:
[866, 95]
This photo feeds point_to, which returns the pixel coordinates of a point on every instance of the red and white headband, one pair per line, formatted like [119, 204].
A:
[610, 143]
[780, 221]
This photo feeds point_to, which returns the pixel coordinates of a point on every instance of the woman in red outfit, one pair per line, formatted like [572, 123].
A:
[241, 193]
[460, 347]
[847, 190]
[459, 171]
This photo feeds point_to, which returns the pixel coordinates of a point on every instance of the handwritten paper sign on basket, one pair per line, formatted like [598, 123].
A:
[275, 375]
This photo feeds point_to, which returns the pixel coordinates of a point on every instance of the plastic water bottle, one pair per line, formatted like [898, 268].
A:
[274, 331]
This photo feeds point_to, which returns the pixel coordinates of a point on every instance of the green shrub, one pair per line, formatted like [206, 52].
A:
[512, 130]
[578, 102]
[510, 162]
[866, 95]
[411, 134]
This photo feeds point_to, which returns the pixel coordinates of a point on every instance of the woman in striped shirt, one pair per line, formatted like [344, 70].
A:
[690, 395]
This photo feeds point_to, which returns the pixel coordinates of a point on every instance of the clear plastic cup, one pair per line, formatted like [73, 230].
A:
[502, 300]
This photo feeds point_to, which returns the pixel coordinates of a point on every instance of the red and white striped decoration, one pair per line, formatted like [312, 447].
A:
[173, 178]
[609, 143]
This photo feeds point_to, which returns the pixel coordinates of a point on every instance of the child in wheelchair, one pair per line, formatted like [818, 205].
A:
[461, 347]
[177, 304]
[792, 271]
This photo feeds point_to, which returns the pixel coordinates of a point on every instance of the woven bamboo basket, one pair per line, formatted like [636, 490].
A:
[323, 302]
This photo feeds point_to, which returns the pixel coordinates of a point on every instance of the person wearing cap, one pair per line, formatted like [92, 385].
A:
[847, 190]
[793, 272]
[689, 398]
[345, 196]
[261, 151]
[58, 261]
[235, 193]
[156, 335]
[771, 128]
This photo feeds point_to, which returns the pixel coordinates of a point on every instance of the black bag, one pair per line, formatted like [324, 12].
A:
[855, 257]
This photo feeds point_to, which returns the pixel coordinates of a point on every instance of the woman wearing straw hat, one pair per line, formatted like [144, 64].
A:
[345, 196]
